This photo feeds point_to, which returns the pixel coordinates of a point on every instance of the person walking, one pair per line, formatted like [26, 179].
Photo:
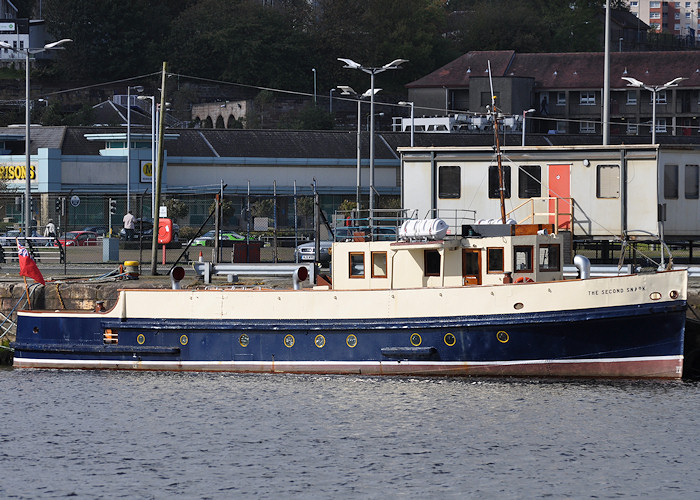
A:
[129, 225]
[50, 232]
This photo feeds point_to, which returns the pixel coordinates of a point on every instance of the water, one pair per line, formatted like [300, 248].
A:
[159, 435]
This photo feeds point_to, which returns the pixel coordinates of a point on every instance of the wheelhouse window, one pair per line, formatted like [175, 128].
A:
[691, 182]
[494, 257]
[529, 181]
[357, 264]
[522, 259]
[449, 181]
[608, 181]
[432, 263]
[379, 264]
[494, 186]
[671, 182]
[549, 258]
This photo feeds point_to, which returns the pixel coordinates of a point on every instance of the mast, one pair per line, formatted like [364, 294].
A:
[494, 114]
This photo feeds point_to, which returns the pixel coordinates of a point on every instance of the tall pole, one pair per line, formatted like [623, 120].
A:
[412, 123]
[359, 152]
[158, 172]
[128, 146]
[606, 77]
[314, 70]
[653, 115]
[371, 151]
[27, 150]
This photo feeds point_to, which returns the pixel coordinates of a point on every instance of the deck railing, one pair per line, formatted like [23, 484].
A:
[539, 211]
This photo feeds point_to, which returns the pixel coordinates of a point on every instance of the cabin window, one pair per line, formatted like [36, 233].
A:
[529, 181]
[495, 260]
[608, 181]
[691, 182]
[671, 182]
[379, 264]
[522, 259]
[494, 186]
[357, 265]
[449, 182]
[549, 258]
[432, 263]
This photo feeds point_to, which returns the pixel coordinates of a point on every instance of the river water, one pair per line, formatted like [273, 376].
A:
[159, 435]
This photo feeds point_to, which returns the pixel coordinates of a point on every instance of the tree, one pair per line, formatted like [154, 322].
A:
[177, 209]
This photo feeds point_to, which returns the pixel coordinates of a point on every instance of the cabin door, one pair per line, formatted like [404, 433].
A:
[560, 187]
[471, 267]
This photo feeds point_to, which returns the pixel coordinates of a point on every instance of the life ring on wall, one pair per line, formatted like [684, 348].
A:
[524, 279]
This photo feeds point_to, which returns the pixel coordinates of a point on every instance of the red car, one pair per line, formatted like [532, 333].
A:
[79, 239]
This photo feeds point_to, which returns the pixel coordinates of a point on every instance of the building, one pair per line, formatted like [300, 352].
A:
[565, 90]
[678, 18]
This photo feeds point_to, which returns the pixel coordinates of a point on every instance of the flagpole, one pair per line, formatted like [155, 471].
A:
[26, 288]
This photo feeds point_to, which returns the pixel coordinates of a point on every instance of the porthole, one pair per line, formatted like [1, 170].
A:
[351, 341]
[140, 338]
[244, 340]
[289, 341]
[184, 339]
[35, 329]
[450, 339]
[502, 337]
[320, 341]
[674, 294]
[416, 340]
[518, 305]
[655, 296]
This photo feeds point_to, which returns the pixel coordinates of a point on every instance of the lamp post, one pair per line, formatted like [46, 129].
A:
[153, 145]
[345, 90]
[137, 88]
[314, 70]
[526, 111]
[633, 82]
[28, 187]
[330, 101]
[350, 64]
[406, 103]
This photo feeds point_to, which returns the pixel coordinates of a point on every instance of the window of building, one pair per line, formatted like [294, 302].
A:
[494, 257]
[522, 262]
[654, 15]
[608, 181]
[561, 127]
[449, 182]
[494, 186]
[632, 129]
[432, 262]
[661, 125]
[357, 264]
[671, 182]
[631, 97]
[587, 127]
[561, 98]
[676, 27]
[379, 264]
[587, 98]
[634, 3]
[529, 181]
[549, 258]
[654, 4]
[677, 15]
[692, 182]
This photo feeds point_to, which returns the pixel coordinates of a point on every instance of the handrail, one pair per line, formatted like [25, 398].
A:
[557, 214]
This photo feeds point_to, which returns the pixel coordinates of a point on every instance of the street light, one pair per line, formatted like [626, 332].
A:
[406, 103]
[153, 145]
[633, 82]
[345, 90]
[350, 64]
[28, 187]
[526, 111]
[137, 88]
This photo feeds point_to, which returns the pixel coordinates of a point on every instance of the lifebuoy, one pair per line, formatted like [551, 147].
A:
[524, 279]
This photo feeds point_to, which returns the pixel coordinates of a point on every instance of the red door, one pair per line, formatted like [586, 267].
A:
[560, 187]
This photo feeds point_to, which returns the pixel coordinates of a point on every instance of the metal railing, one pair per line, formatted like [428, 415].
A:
[562, 219]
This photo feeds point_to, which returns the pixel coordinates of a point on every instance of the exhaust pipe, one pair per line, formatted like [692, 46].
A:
[301, 274]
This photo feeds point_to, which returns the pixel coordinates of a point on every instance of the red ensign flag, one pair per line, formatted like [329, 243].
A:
[27, 266]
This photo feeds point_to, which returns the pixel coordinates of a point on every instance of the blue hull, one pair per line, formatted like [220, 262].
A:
[641, 340]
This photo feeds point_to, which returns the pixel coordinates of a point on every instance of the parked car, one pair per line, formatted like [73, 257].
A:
[147, 226]
[8, 239]
[307, 252]
[79, 239]
[100, 230]
[226, 239]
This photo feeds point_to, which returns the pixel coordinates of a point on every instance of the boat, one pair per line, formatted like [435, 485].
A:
[485, 300]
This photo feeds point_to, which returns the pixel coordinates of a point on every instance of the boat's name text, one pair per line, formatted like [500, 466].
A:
[611, 291]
